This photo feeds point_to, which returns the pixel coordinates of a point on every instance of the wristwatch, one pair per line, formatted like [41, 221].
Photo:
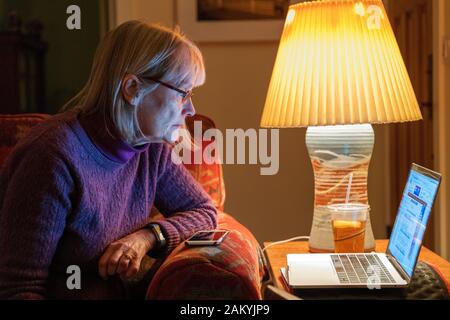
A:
[160, 239]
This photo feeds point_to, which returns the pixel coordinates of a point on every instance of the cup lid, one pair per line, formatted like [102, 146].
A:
[349, 206]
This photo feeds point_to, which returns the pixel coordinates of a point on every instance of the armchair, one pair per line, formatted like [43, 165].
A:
[234, 270]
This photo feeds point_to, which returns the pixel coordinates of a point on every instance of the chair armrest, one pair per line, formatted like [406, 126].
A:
[232, 270]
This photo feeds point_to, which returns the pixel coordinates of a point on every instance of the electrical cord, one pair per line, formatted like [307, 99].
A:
[285, 241]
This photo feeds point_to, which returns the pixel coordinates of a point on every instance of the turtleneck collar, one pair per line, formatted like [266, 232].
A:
[106, 140]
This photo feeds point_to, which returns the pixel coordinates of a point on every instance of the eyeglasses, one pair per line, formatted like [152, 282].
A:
[186, 95]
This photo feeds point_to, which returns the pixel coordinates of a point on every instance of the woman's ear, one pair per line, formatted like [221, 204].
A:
[130, 89]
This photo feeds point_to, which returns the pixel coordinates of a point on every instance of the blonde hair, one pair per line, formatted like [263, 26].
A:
[146, 51]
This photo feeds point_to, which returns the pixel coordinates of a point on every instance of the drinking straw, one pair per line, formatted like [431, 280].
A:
[349, 186]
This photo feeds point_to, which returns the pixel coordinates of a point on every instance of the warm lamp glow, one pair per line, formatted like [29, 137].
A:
[338, 63]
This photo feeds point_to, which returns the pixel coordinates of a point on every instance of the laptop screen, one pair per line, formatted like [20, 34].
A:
[412, 217]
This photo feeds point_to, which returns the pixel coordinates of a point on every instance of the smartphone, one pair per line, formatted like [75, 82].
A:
[207, 238]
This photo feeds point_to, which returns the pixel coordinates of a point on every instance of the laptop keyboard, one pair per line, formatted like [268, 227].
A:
[357, 268]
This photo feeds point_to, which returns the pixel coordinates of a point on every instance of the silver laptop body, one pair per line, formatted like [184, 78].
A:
[375, 270]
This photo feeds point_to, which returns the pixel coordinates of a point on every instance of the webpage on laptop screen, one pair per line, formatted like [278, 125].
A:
[412, 218]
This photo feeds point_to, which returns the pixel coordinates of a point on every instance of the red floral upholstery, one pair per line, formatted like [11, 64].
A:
[210, 176]
[211, 179]
[229, 271]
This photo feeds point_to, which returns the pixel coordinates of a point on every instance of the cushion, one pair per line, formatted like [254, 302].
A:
[232, 270]
[210, 176]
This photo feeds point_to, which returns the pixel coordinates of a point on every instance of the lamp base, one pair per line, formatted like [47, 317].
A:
[340, 157]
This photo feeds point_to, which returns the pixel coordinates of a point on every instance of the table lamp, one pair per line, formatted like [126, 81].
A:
[338, 70]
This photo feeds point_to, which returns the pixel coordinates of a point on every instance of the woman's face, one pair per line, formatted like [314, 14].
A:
[162, 112]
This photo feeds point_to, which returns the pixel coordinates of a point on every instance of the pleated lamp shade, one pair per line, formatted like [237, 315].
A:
[338, 63]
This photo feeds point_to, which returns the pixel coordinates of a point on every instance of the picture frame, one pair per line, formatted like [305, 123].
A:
[224, 30]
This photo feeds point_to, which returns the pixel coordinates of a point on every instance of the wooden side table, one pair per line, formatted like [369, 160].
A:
[276, 256]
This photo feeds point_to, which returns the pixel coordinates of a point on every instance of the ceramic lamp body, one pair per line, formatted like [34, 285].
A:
[338, 153]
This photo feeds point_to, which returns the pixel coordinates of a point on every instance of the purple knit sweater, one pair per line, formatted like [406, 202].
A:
[68, 190]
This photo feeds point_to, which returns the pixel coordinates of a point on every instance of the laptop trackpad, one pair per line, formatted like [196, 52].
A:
[303, 273]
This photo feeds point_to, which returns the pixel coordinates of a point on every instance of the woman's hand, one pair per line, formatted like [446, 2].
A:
[124, 256]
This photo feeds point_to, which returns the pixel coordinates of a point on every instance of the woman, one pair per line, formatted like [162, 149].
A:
[77, 191]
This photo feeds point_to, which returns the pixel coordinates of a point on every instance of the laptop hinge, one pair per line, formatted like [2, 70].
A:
[399, 269]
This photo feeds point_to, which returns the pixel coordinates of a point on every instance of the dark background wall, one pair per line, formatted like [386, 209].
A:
[70, 52]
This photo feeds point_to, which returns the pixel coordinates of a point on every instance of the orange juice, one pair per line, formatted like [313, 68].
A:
[348, 235]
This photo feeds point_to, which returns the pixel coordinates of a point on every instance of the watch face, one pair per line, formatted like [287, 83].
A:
[158, 234]
[157, 230]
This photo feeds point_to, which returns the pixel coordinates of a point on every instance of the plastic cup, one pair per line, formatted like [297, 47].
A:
[349, 226]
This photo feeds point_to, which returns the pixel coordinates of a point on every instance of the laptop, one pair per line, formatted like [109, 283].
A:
[392, 269]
